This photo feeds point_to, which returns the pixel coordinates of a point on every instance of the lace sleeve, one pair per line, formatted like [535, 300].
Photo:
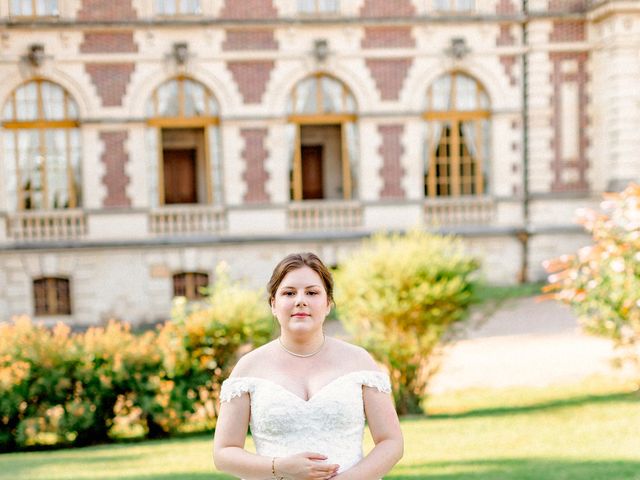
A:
[378, 380]
[234, 387]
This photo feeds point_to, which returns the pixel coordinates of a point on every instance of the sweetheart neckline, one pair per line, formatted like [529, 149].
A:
[320, 390]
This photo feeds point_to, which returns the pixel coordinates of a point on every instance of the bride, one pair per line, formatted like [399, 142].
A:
[305, 395]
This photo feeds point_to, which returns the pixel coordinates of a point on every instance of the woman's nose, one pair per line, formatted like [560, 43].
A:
[300, 300]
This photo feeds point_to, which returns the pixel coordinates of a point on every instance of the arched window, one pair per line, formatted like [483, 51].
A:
[322, 113]
[190, 285]
[177, 7]
[42, 147]
[458, 131]
[51, 296]
[33, 8]
[184, 144]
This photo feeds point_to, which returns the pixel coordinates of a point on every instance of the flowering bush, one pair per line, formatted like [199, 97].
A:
[60, 387]
[398, 296]
[602, 281]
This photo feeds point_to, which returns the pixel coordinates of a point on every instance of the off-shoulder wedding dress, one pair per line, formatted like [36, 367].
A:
[331, 422]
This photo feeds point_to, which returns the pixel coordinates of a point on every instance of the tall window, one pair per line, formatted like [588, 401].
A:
[190, 285]
[323, 139]
[318, 6]
[184, 143]
[177, 7]
[33, 8]
[454, 5]
[51, 296]
[458, 131]
[42, 147]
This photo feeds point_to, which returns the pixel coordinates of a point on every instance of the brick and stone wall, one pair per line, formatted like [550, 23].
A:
[115, 158]
[255, 155]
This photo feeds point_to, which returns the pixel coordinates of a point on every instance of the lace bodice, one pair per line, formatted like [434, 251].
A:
[331, 422]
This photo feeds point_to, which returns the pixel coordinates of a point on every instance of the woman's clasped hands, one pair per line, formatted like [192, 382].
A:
[305, 466]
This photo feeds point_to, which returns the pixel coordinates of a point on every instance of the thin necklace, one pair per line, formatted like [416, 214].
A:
[301, 355]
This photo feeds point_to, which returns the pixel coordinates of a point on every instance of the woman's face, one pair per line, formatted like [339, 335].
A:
[300, 303]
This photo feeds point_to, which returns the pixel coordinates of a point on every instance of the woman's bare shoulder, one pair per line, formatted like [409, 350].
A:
[252, 362]
[354, 356]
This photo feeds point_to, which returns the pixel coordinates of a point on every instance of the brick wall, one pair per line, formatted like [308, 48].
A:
[115, 159]
[388, 37]
[505, 38]
[506, 7]
[108, 10]
[567, 6]
[110, 80]
[391, 151]
[508, 63]
[246, 9]
[386, 8]
[258, 39]
[569, 173]
[568, 31]
[251, 77]
[108, 42]
[389, 75]
[255, 174]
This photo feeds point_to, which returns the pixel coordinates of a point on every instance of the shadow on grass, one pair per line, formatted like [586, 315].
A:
[82, 463]
[584, 400]
[520, 469]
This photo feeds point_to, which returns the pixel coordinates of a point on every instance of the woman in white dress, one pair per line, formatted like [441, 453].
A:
[306, 395]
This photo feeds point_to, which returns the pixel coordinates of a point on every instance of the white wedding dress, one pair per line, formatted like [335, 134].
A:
[331, 422]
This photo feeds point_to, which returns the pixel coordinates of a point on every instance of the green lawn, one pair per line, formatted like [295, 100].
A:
[587, 431]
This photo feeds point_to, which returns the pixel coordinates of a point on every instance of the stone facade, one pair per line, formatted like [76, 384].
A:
[121, 246]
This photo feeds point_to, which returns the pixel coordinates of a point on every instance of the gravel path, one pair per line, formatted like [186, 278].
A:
[525, 342]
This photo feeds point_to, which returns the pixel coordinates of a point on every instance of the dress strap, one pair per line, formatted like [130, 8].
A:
[234, 387]
[374, 379]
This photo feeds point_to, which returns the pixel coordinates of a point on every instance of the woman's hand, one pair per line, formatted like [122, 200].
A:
[305, 466]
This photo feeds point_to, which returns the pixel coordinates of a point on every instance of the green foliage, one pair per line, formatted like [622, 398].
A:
[59, 387]
[202, 342]
[602, 281]
[398, 296]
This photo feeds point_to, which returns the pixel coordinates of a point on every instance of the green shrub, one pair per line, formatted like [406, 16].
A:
[398, 296]
[59, 387]
[602, 281]
[202, 342]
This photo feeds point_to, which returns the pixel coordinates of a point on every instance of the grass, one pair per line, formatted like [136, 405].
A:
[586, 431]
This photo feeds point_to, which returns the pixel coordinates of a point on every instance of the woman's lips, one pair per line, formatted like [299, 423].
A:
[300, 315]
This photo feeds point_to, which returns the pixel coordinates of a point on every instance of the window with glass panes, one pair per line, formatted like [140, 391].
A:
[324, 106]
[177, 7]
[318, 6]
[455, 5]
[42, 147]
[190, 285]
[184, 144]
[33, 8]
[457, 137]
[51, 296]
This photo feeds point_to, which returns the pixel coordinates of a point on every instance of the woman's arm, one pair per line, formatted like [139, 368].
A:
[229, 454]
[387, 436]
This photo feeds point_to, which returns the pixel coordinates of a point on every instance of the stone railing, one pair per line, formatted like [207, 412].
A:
[187, 219]
[49, 225]
[324, 215]
[459, 211]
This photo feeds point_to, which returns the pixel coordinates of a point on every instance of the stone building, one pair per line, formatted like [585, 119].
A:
[144, 141]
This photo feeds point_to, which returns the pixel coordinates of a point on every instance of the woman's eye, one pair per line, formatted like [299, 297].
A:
[288, 293]
[313, 293]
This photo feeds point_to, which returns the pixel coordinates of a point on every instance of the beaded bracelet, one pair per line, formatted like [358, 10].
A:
[273, 469]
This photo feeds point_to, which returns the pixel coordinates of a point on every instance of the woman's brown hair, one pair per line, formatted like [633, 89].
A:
[294, 261]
